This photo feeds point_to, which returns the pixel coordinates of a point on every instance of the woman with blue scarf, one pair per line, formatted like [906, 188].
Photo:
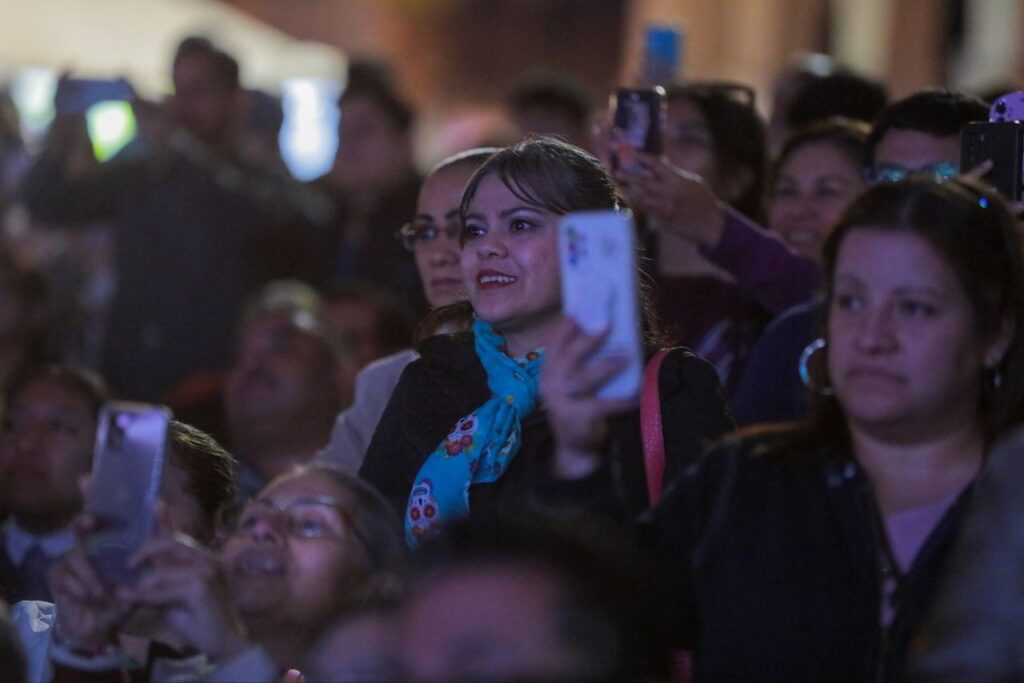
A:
[465, 431]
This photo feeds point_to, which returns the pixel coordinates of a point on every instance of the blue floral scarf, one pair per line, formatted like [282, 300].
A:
[482, 444]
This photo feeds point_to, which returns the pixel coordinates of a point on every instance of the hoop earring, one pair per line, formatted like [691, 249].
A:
[805, 372]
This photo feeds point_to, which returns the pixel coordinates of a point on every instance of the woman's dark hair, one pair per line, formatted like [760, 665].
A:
[846, 135]
[738, 135]
[975, 233]
[82, 382]
[548, 173]
[561, 178]
[939, 113]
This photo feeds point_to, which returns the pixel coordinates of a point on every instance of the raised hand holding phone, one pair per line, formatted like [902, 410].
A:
[600, 290]
[594, 362]
[131, 442]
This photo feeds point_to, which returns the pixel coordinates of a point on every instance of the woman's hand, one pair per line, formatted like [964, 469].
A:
[569, 385]
[185, 582]
[88, 616]
[681, 203]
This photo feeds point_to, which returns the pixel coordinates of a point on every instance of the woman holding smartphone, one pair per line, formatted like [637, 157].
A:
[815, 552]
[465, 430]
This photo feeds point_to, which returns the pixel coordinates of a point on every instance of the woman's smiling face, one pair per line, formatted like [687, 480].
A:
[510, 263]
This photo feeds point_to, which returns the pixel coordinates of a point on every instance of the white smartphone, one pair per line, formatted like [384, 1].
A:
[131, 442]
[601, 289]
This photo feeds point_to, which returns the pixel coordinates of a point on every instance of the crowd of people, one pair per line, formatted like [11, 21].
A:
[391, 458]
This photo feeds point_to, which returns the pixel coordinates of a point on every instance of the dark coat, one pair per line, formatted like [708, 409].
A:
[448, 382]
[777, 555]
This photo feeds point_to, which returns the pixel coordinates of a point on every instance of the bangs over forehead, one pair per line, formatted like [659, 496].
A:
[548, 174]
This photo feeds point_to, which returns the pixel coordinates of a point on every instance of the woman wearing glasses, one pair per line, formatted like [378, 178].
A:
[433, 238]
[312, 545]
[719, 276]
[815, 552]
[465, 431]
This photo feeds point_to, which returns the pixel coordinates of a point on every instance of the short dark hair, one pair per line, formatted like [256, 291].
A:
[225, 67]
[738, 134]
[374, 80]
[974, 232]
[394, 324]
[843, 93]
[551, 90]
[209, 469]
[939, 113]
[610, 612]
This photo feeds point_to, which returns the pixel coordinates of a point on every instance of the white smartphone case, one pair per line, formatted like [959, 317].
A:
[600, 288]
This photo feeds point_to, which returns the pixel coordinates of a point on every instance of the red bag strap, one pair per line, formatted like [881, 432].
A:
[650, 426]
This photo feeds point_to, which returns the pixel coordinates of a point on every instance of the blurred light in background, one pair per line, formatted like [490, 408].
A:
[32, 91]
[111, 126]
[309, 136]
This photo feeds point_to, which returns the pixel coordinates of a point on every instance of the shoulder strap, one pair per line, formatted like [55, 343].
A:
[650, 426]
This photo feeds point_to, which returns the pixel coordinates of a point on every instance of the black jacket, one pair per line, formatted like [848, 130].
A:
[448, 382]
[777, 554]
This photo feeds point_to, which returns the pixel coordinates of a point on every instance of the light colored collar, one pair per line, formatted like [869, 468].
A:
[19, 541]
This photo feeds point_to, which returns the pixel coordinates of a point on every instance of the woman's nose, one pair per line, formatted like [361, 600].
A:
[267, 529]
[444, 253]
[875, 332]
[490, 246]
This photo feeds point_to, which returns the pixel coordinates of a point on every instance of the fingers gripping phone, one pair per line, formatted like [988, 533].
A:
[131, 443]
[601, 289]
[1001, 141]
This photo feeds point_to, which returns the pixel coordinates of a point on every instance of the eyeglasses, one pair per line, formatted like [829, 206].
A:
[316, 517]
[413, 234]
[939, 171]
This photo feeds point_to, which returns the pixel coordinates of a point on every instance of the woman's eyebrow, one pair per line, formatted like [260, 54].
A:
[516, 209]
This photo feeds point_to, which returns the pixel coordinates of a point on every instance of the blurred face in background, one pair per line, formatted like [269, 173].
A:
[202, 102]
[45, 447]
[495, 622]
[283, 371]
[813, 186]
[688, 141]
[911, 152]
[293, 558]
[434, 234]
[373, 154]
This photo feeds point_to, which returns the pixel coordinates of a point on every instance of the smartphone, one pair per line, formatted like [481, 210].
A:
[601, 289]
[663, 54]
[131, 444]
[637, 120]
[78, 95]
[1002, 142]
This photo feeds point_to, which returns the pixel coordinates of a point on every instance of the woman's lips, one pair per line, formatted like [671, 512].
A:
[875, 375]
[492, 279]
[446, 283]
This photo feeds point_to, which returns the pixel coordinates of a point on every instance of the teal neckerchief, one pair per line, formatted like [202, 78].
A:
[482, 444]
